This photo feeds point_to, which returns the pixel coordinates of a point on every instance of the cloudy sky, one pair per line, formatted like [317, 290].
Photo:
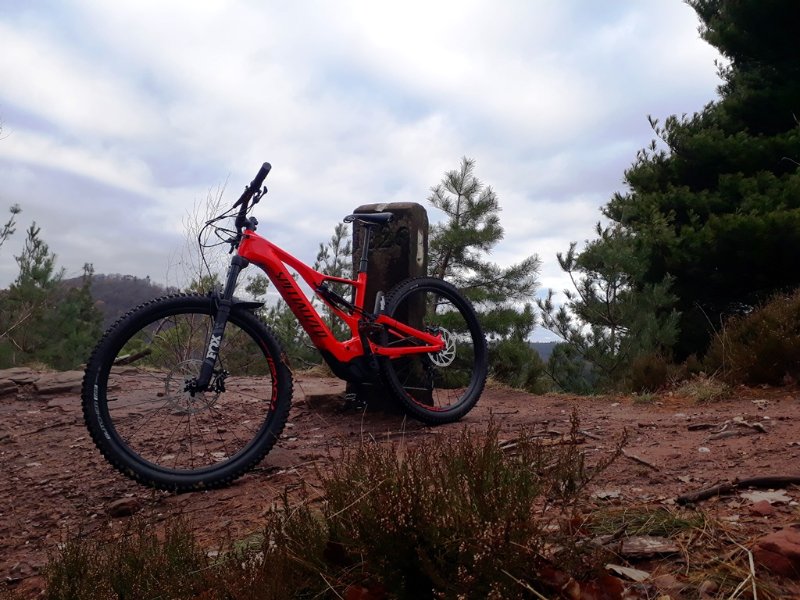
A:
[120, 117]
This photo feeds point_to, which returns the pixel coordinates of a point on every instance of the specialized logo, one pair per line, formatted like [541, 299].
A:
[213, 346]
[299, 306]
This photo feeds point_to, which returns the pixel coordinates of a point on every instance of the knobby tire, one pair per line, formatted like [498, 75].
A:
[443, 387]
[145, 422]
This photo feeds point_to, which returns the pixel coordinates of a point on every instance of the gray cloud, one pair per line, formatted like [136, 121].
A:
[119, 117]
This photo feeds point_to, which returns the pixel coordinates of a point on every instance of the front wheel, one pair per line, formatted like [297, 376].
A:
[436, 387]
[147, 419]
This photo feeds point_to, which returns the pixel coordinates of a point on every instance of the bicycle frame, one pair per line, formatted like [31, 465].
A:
[273, 260]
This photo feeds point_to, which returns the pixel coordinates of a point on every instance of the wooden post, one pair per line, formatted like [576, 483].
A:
[397, 251]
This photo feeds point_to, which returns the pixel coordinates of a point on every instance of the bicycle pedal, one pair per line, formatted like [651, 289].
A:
[352, 402]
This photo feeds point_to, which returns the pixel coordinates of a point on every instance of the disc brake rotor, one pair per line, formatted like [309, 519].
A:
[446, 356]
[176, 391]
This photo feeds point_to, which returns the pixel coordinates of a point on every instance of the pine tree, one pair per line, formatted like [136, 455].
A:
[712, 210]
[74, 324]
[609, 320]
[27, 300]
[457, 251]
[335, 258]
[40, 320]
[458, 246]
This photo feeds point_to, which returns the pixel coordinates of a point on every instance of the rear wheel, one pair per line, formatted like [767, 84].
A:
[436, 387]
[147, 420]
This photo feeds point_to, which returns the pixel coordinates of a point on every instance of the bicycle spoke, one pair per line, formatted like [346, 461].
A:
[157, 418]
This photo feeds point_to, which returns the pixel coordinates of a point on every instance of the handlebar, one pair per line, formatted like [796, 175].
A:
[249, 191]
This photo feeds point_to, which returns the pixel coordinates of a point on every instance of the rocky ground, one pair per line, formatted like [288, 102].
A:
[55, 484]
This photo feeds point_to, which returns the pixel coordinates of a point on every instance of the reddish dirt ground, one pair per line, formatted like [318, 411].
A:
[54, 483]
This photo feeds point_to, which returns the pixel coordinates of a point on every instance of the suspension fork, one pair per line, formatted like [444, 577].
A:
[224, 304]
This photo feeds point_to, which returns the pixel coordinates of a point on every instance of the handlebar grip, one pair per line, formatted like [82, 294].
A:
[260, 176]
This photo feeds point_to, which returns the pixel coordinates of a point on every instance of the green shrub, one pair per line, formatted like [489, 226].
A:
[570, 372]
[516, 364]
[762, 347]
[649, 373]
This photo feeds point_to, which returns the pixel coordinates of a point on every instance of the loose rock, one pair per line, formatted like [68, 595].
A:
[762, 508]
[779, 552]
[7, 387]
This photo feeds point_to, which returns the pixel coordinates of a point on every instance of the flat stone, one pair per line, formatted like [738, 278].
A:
[708, 588]
[65, 403]
[7, 387]
[57, 383]
[19, 375]
[321, 393]
[629, 573]
[779, 552]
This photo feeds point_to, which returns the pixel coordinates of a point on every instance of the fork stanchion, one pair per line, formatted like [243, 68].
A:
[398, 251]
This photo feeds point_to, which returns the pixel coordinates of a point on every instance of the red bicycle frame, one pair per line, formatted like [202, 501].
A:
[274, 260]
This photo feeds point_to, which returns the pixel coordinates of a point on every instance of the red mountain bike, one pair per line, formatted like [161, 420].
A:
[189, 392]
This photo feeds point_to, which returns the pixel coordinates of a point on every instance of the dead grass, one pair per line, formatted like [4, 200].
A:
[704, 389]
[646, 520]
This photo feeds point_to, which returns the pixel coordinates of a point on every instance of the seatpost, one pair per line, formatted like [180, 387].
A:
[362, 266]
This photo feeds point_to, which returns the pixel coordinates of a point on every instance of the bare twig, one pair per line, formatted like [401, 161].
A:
[699, 426]
[131, 358]
[25, 316]
[774, 481]
[55, 425]
[724, 431]
[357, 500]
[525, 585]
[639, 460]
[328, 583]
[589, 434]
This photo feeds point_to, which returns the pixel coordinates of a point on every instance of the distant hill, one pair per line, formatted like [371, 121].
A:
[116, 294]
[545, 349]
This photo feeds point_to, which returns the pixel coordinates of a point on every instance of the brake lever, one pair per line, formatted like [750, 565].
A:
[257, 196]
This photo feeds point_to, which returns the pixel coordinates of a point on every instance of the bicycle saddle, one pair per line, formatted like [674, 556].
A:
[381, 218]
